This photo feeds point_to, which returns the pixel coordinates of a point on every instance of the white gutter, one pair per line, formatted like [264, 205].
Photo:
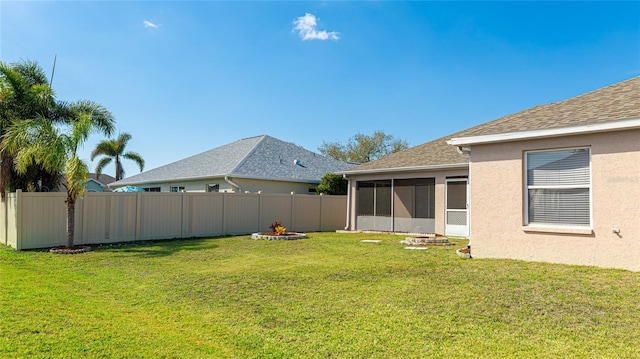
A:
[547, 132]
[229, 181]
[346, 228]
[407, 169]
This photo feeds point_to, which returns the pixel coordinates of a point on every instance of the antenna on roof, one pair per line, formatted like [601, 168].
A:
[55, 57]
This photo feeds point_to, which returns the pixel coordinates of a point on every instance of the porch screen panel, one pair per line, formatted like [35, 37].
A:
[425, 200]
[364, 198]
[421, 202]
[558, 186]
[457, 195]
[383, 199]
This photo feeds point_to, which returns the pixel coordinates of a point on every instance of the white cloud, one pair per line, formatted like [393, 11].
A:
[306, 27]
[149, 24]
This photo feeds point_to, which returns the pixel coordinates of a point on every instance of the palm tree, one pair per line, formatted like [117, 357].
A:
[113, 150]
[39, 142]
[24, 94]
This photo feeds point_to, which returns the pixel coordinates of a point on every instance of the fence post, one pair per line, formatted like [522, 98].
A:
[321, 210]
[293, 209]
[138, 215]
[259, 210]
[107, 218]
[184, 216]
[82, 219]
[224, 214]
[6, 218]
[18, 219]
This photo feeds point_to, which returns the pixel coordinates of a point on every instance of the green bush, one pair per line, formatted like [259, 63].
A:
[332, 183]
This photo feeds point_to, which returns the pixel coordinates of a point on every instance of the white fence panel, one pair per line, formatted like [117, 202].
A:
[204, 214]
[38, 220]
[334, 213]
[307, 213]
[95, 210]
[275, 207]
[123, 213]
[42, 219]
[160, 215]
[242, 214]
[11, 219]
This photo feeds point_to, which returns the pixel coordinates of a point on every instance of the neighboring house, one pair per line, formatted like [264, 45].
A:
[99, 183]
[261, 163]
[556, 183]
[94, 183]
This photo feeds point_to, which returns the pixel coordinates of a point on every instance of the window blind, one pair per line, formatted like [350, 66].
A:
[558, 186]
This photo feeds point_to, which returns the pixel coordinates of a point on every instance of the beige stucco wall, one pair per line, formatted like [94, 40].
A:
[440, 178]
[497, 200]
[251, 185]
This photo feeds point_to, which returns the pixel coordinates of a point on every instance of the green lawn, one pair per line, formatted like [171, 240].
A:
[328, 296]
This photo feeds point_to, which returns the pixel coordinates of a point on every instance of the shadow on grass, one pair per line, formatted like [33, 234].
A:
[164, 247]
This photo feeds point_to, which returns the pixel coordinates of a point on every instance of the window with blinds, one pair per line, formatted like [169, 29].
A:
[559, 187]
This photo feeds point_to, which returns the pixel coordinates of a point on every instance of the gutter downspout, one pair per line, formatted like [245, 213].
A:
[229, 181]
[348, 202]
[463, 150]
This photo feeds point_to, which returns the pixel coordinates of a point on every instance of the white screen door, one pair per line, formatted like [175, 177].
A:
[457, 209]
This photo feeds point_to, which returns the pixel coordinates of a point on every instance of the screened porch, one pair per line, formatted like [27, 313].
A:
[399, 205]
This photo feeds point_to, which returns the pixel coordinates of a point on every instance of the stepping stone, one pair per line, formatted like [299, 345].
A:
[417, 248]
[371, 241]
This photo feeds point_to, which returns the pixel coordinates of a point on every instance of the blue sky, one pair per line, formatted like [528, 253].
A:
[184, 77]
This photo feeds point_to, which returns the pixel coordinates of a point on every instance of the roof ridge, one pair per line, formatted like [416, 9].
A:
[619, 83]
[543, 109]
[248, 155]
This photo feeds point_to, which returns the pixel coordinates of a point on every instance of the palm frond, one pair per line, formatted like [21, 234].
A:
[102, 164]
[121, 142]
[101, 117]
[31, 72]
[106, 147]
[134, 156]
[76, 173]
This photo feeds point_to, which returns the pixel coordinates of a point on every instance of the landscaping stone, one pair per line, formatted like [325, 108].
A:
[417, 248]
[431, 240]
[276, 237]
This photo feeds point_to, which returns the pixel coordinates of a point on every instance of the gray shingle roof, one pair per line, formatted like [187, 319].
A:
[615, 102]
[619, 101]
[261, 157]
[431, 154]
[104, 179]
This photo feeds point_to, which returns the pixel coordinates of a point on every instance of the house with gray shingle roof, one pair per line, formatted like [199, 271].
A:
[557, 183]
[254, 164]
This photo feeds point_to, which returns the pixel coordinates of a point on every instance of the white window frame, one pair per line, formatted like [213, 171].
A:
[178, 189]
[526, 188]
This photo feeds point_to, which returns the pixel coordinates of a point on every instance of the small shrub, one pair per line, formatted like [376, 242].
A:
[278, 228]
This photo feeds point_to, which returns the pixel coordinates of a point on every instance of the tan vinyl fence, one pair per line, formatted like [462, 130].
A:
[38, 220]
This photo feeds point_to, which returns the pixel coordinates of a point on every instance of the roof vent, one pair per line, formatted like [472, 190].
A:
[296, 162]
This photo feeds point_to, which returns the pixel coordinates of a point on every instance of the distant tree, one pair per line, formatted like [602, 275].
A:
[39, 142]
[113, 150]
[363, 148]
[332, 183]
